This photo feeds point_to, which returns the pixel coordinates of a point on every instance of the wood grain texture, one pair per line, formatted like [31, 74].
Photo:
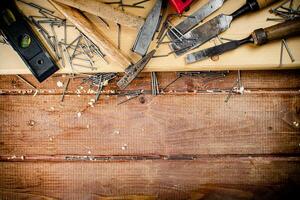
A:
[283, 30]
[255, 81]
[163, 125]
[86, 26]
[180, 145]
[232, 178]
[264, 3]
[105, 11]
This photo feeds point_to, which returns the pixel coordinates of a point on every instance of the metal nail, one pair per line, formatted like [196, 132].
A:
[100, 87]
[119, 36]
[33, 5]
[56, 49]
[288, 50]
[104, 22]
[140, 2]
[65, 90]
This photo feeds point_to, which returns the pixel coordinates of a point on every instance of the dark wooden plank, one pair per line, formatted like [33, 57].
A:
[164, 125]
[253, 80]
[192, 146]
[213, 178]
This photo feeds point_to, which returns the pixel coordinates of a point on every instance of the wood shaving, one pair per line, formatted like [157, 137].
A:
[59, 84]
[124, 147]
[36, 91]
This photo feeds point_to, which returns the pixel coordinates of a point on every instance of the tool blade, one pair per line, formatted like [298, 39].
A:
[201, 34]
[132, 71]
[194, 19]
[148, 30]
[213, 51]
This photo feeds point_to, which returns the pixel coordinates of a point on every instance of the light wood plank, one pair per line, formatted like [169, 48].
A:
[246, 57]
[105, 11]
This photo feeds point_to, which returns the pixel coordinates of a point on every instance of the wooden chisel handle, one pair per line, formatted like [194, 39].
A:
[105, 11]
[94, 34]
[264, 3]
[252, 5]
[278, 31]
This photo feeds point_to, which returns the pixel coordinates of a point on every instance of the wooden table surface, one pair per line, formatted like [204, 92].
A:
[184, 144]
[246, 57]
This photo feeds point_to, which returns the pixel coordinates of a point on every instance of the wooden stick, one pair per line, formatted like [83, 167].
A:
[105, 11]
[94, 34]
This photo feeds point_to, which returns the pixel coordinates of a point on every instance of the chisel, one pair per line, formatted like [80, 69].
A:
[258, 37]
[195, 18]
[86, 26]
[148, 30]
[105, 11]
[215, 26]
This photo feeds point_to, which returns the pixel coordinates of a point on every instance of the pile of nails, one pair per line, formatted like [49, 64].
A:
[154, 84]
[203, 74]
[99, 80]
[81, 52]
[96, 79]
[288, 10]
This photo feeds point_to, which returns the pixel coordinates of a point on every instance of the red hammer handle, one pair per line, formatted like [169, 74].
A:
[180, 5]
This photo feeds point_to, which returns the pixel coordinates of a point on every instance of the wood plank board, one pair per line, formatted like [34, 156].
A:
[163, 125]
[229, 178]
[247, 57]
[185, 144]
[273, 81]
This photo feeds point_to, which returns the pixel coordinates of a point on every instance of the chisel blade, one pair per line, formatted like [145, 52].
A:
[194, 19]
[201, 34]
[213, 51]
[148, 30]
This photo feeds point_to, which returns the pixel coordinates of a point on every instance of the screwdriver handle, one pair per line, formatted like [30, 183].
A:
[264, 3]
[278, 31]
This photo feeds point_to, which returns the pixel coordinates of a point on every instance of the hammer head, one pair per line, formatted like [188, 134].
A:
[180, 5]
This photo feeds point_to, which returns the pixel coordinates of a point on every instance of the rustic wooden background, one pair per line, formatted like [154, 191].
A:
[184, 144]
